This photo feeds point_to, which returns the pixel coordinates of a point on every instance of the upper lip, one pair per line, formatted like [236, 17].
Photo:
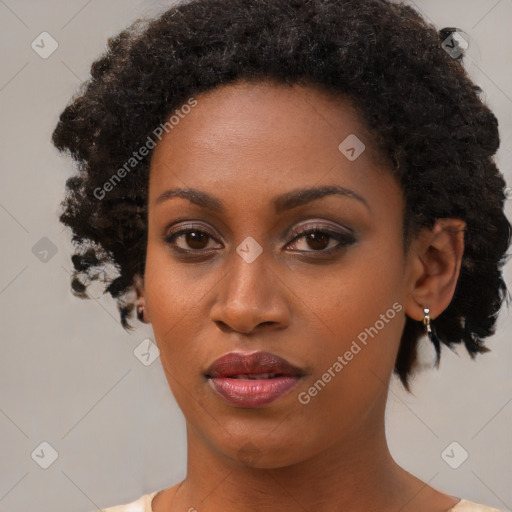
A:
[238, 363]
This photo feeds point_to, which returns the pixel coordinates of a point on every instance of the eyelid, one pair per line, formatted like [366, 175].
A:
[182, 229]
[291, 232]
[321, 226]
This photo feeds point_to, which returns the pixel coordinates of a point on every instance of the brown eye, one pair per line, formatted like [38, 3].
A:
[196, 239]
[318, 238]
[190, 239]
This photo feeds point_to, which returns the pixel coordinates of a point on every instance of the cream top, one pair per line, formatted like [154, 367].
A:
[143, 504]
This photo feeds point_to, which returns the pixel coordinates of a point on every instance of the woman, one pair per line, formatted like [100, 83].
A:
[293, 193]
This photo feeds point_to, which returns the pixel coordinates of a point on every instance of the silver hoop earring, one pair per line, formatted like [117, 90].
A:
[426, 320]
[432, 335]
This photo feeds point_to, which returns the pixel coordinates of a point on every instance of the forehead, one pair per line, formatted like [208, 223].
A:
[263, 138]
[260, 112]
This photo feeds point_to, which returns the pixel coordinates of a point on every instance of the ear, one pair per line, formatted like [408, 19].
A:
[138, 283]
[434, 263]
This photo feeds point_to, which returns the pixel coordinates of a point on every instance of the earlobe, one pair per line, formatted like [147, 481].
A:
[140, 313]
[435, 268]
[138, 283]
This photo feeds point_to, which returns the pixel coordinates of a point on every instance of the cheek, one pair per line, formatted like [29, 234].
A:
[174, 290]
[174, 303]
[364, 287]
[362, 315]
[173, 297]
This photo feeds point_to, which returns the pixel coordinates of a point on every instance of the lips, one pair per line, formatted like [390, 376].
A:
[252, 380]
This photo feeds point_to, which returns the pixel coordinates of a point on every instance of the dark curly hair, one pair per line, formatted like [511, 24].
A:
[423, 111]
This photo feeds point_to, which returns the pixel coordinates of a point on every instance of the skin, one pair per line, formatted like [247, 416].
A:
[246, 143]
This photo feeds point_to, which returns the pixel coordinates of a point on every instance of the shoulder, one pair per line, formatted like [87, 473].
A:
[142, 504]
[470, 506]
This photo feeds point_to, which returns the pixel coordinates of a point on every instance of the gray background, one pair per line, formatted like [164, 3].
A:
[68, 373]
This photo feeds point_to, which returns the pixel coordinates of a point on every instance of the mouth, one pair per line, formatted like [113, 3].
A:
[255, 376]
[252, 380]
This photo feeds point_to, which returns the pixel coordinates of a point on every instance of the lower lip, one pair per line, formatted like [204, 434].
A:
[252, 392]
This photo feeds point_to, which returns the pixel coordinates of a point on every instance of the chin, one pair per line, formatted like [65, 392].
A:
[259, 450]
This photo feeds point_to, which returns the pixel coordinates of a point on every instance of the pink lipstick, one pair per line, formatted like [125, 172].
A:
[252, 380]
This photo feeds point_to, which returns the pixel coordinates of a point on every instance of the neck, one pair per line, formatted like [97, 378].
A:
[355, 473]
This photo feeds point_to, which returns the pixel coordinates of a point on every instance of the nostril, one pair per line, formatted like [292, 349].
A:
[223, 326]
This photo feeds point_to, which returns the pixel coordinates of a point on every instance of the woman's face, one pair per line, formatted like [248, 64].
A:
[244, 279]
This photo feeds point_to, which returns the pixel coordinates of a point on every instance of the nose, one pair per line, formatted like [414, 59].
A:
[249, 297]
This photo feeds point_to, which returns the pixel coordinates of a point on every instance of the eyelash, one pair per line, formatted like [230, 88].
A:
[298, 233]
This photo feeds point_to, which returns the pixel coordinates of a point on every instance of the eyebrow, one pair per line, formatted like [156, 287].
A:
[286, 201]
